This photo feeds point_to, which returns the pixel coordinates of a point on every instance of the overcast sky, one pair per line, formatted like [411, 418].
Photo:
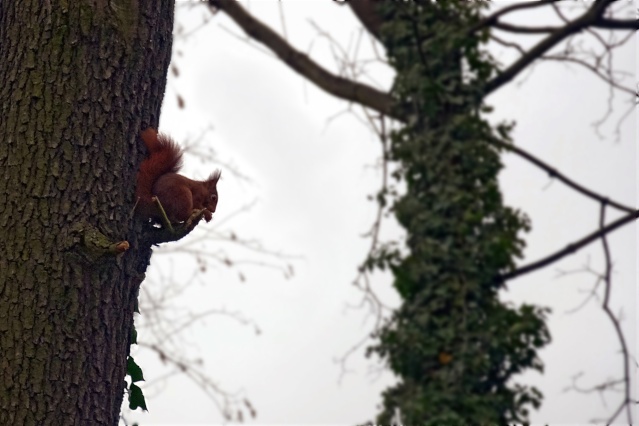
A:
[310, 171]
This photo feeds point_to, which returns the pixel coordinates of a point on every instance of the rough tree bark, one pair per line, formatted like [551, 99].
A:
[79, 81]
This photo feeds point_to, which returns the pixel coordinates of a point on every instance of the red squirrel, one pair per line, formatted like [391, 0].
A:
[158, 179]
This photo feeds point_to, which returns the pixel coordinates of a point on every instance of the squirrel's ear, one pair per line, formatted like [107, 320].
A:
[214, 177]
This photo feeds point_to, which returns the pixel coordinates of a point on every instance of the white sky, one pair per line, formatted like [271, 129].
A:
[311, 178]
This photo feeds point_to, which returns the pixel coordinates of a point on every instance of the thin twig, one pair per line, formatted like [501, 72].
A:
[615, 322]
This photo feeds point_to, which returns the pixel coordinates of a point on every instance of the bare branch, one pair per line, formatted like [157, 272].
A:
[523, 30]
[615, 323]
[570, 248]
[553, 173]
[617, 24]
[510, 44]
[346, 59]
[302, 64]
[590, 17]
[607, 385]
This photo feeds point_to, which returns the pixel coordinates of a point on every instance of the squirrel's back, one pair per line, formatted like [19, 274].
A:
[165, 156]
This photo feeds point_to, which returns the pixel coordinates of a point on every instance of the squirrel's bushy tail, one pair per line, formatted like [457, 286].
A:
[165, 156]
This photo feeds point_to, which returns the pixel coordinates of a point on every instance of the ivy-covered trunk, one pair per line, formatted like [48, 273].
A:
[79, 81]
[452, 343]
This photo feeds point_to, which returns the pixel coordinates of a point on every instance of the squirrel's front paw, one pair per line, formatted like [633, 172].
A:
[196, 216]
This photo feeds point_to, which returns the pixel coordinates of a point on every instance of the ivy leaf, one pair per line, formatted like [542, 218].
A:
[134, 370]
[136, 398]
[134, 336]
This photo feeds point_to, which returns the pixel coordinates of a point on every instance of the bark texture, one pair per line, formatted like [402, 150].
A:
[79, 81]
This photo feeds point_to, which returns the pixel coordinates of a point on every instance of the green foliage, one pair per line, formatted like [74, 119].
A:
[134, 336]
[136, 398]
[133, 370]
[453, 344]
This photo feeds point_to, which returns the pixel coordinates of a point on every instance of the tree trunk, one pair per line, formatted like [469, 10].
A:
[79, 81]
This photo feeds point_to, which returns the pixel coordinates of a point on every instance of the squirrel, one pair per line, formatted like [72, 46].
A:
[159, 187]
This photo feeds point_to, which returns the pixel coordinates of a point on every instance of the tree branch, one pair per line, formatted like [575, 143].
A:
[615, 323]
[570, 248]
[590, 17]
[553, 173]
[338, 86]
[523, 30]
[617, 24]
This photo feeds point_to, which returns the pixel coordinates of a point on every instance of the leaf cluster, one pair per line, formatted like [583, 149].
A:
[134, 371]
